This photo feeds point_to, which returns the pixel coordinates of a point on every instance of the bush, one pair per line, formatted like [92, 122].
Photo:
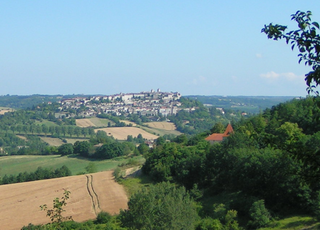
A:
[161, 206]
[259, 214]
[103, 218]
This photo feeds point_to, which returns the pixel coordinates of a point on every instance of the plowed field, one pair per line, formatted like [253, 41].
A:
[89, 195]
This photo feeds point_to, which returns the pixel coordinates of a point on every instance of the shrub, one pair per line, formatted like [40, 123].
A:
[259, 214]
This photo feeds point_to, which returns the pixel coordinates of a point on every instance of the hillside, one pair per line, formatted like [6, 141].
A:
[90, 194]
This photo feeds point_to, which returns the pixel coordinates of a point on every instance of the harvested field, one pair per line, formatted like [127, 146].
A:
[52, 141]
[161, 125]
[84, 123]
[121, 133]
[89, 195]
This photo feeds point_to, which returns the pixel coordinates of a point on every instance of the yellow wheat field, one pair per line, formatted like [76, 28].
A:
[90, 194]
[161, 125]
[121, 133]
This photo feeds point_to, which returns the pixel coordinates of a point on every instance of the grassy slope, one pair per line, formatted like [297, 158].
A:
[294, 222]
[160, 132]
[16, 164]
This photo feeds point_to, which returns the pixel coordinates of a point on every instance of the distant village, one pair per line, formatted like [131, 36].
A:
[152, 103]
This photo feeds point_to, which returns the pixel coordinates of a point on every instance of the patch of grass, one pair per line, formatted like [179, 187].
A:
[16, 164]
[134, 184]
[159, 132]
[46, 122]
[294, 222]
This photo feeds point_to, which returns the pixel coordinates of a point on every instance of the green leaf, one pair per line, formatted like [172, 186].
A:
[316, 24]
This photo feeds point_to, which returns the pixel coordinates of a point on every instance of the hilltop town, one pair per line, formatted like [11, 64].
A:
[150, 103]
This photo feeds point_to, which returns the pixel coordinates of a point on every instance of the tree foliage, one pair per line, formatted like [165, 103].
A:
[55, 214]
[306, 39]
[161, 206]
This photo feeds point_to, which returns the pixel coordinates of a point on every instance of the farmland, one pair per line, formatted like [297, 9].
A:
[13, 165]
[89, 195]
[52, 141]
[121, 133]
[161, 125]
[84, 123]
[93, 122]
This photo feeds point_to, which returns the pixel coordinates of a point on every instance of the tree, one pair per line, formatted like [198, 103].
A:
[64, 130]
[161, 206]
[81, 148]
[160, 141]
[306, 39]
[84, 132]
[52, 130]
[218, 128]
[45, 129]
[55, 214]
[58, 130]
[259, 214]
[77, 131]
[65, 149]
[70, 130]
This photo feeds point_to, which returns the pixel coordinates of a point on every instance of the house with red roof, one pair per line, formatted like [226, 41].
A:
[218, 137]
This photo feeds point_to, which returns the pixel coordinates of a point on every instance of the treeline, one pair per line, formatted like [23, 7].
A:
[102, 146]
[271, 162]
[53, 130]
[39, 174]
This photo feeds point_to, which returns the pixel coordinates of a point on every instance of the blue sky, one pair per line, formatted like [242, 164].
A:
[106, 47]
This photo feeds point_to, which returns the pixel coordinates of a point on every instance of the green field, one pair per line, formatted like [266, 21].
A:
[159, 132]
[16, 164]
[45, 122]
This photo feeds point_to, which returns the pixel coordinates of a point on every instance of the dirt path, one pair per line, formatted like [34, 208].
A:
[20, 203]
[93, 195]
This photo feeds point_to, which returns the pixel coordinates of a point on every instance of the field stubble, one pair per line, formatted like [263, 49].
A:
[20, 203]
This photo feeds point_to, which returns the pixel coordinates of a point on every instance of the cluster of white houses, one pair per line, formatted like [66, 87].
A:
[151, 103]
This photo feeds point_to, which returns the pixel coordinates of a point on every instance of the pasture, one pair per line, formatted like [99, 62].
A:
[90, 194]
[121, 133]
[13, 165]
[52, 141]
[160, 132]
[57, 141]
[93, 122]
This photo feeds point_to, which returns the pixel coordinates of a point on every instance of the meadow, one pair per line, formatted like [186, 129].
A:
[13, 165]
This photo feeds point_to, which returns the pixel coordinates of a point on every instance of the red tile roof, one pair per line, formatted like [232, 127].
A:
[220, 136]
